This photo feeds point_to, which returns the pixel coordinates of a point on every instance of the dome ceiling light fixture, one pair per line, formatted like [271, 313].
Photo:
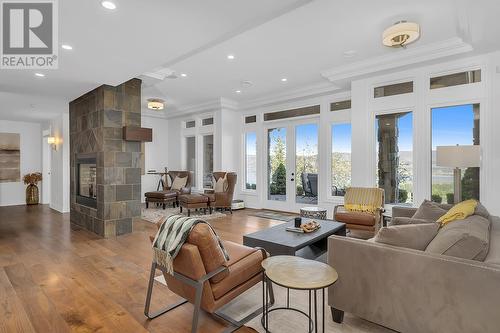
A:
[401, 34]
[156, 104]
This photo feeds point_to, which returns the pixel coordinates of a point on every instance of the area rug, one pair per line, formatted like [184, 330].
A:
[269, 214]
[290, 321]
[153, 214]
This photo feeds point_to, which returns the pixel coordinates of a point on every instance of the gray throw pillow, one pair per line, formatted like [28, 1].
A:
[429, 211]
[467, 239]
[411, 236]
[481, 211]
[402, 220]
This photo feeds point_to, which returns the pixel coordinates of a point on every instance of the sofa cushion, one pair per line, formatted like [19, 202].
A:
[401, 220]
[360, 218]
[178, 183]
[429, 210]
[467, 239]
[412, 236]
[221, 185]
[481, 211]
[493, 256]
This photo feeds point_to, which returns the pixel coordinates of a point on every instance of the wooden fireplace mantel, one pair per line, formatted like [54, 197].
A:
[133, 133]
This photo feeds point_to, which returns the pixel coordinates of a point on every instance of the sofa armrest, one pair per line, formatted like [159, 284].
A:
[399, 211]
[413, 291]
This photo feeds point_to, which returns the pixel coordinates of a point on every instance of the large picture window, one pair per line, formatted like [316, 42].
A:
[191, 158]
[454, 125]
[208, 160]
[395, 156]
[341, 158]
[251, 161]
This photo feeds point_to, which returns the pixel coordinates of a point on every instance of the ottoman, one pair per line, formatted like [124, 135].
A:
[161, 197]
[193, 201]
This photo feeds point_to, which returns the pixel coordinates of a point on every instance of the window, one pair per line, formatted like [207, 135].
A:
[250, 119]
[306, 163]
[208, 161]
[393, 89]
[251, 161]
[190, 124]
[306, 111]
[341, 105]
[395, 156]
[454, 125]
[341, 158]
[276, 165]
[207, 121]
[455, 79]
[191, 158]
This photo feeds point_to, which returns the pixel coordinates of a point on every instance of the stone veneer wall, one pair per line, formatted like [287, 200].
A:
[96, 122]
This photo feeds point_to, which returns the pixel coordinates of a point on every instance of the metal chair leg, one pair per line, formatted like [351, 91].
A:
[197, 305]
[150, 293]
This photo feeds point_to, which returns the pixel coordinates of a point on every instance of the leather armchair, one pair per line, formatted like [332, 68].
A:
[204, 278]
[366, 222]
[169, 195]
[224, 199]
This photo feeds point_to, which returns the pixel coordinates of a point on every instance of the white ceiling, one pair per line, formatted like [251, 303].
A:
[270, 39]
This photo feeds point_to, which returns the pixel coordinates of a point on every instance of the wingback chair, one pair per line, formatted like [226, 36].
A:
[169, 195]
[203, 277]
[362, 209]
[223, 199]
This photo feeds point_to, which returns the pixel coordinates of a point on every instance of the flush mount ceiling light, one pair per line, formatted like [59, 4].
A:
[67, 47]
[108, 5]
[39, 75]
[156, 104]
[284, 79]
[183, 74]
[401, 34]
[238, 91]
[230, 56]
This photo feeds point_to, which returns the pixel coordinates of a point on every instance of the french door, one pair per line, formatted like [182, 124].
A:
[292, 163]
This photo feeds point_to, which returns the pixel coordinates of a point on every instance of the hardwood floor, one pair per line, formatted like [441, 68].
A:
[55, 279]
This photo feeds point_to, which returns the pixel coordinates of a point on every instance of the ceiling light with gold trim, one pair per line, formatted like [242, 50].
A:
[401, 34]
[156, 104]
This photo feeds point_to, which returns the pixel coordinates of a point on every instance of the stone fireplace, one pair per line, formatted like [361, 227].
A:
[106, 169]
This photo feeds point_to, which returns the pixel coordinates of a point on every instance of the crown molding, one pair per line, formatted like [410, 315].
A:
[446, 48]
[320, 89]
[209, 106]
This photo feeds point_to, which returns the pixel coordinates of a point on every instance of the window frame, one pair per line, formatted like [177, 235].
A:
[246, 131]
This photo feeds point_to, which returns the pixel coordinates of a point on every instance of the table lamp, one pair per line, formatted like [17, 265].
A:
[458, 157]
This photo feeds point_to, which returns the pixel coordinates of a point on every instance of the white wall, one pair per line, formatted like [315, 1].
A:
[31, 159]
[156, 152]
[60, 165]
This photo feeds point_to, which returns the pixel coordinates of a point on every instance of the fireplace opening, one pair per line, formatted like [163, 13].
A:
[86, 189]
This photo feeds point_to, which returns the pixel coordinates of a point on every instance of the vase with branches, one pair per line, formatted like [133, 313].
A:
[32, 194]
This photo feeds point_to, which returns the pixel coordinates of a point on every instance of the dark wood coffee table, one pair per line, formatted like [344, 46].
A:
[277, 241]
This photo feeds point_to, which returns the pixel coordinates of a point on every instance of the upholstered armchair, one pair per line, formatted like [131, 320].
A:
[362, 209]
[204, 278]
[168, 194]
[224, 198]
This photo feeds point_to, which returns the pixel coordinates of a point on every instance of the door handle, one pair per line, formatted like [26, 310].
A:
[292, 179]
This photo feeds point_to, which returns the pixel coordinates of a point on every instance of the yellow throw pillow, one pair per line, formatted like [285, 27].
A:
[459, 212]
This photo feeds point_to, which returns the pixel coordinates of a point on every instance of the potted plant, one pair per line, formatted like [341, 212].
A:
[32, 179]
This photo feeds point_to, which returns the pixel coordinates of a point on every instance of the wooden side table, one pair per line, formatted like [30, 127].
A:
[313, 213]
[297, 273]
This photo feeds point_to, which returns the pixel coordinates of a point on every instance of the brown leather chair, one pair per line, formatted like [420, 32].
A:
[366, 223]
[222, 200]
[169, 195]
[204, 278]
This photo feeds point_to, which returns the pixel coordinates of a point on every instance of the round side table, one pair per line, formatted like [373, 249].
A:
[313, 213]
[299, 274]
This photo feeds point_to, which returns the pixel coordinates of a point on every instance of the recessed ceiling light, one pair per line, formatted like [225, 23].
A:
[108, 5]
[184, 75]
[284, 79]
[230, 56]
[238, 91]
[40, 74]
[67, 47]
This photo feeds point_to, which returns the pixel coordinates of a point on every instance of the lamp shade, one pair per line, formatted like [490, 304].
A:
[458, 156]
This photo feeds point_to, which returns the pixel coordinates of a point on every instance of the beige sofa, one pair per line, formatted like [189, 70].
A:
[415, 291]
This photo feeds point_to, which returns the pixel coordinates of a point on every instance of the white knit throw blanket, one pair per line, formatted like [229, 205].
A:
[172, 234]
